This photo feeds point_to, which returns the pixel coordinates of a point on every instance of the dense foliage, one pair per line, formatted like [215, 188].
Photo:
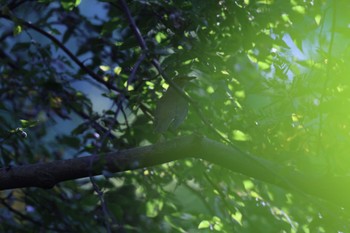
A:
[270, 77]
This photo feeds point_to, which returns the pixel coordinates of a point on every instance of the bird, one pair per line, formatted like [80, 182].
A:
[171, 109]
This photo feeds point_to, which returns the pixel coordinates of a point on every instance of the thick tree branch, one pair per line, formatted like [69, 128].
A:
[46, 175]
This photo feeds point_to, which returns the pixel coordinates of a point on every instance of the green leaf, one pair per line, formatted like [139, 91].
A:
[69, 5]
[104, 67]
[240, 136]
[117, 70]
[28, 123]
[17, 30]
[160, 36]
[204, 224]
[153, 208]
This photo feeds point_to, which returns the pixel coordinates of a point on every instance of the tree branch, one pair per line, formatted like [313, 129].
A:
[46, 175]
[133, 25]
[91, 73]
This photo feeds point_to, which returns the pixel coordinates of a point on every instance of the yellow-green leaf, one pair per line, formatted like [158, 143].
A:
[69, 5]
[104, 68]
[117, 70]
[160, 36]
[240, 136]
[17, 30]
[28, 123]
[204, 224]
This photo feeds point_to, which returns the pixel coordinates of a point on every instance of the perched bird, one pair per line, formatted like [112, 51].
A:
[171, 109]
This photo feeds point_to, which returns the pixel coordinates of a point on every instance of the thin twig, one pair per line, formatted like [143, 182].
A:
[222, 196]
[7, 59]
[132, 76]
[107, 214]
[67, 51]
[133, 25]
[15, 4]
[100, 195]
